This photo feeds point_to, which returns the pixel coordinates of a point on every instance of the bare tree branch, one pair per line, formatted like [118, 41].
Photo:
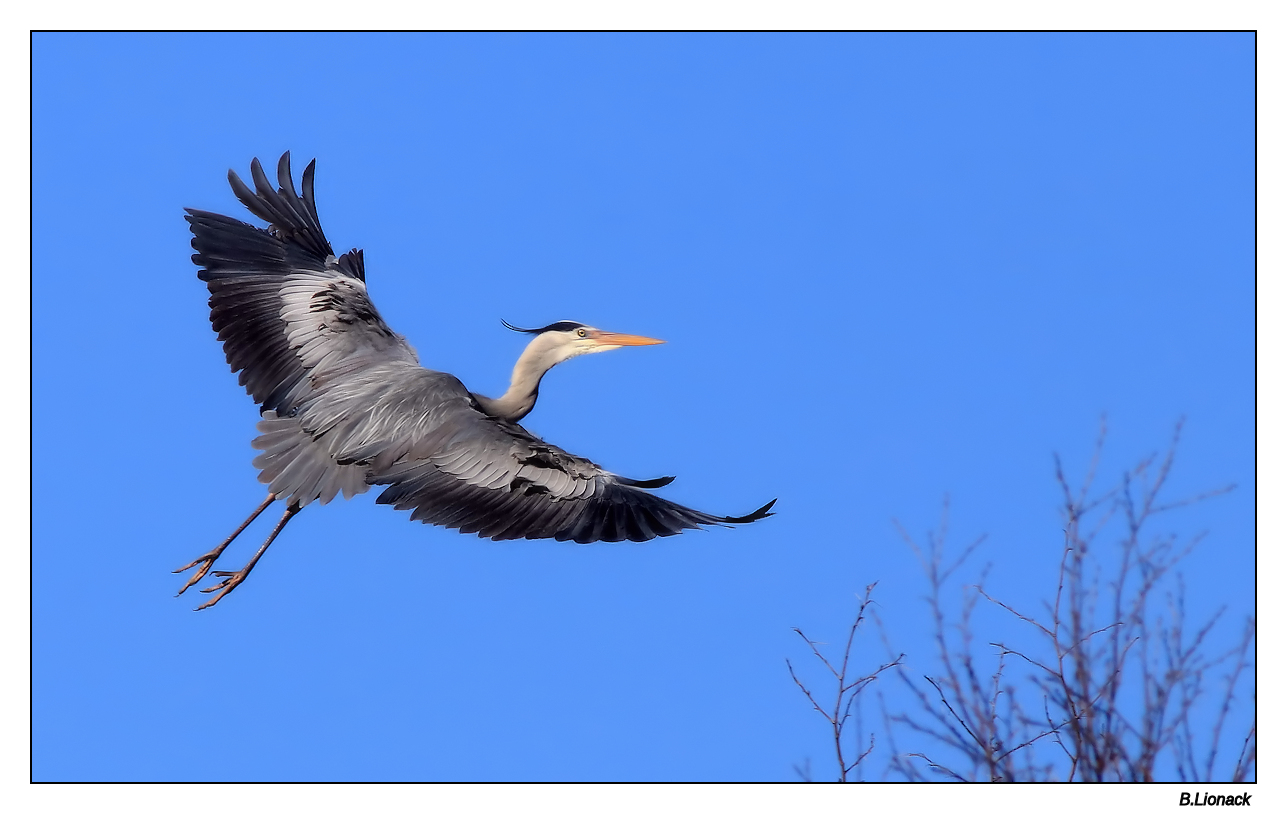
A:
[1116, 671]
[847, 690]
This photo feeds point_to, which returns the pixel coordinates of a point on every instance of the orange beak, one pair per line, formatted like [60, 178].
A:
[609, 338]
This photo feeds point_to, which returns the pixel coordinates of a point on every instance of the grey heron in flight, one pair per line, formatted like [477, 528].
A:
[346, 405]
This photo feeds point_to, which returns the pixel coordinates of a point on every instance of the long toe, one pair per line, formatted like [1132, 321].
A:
[227, 589]
[204, 558]
[216, 587]
[211, 603]
[231, 579]
[195, 578]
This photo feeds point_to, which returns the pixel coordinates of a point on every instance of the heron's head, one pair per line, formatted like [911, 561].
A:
[563, 340]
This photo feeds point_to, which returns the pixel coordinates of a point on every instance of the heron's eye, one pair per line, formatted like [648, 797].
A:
[580, 332]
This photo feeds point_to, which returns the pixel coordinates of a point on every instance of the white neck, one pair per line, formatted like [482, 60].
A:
[541, 354]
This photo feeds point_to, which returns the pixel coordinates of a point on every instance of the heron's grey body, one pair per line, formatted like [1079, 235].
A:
[346, 405]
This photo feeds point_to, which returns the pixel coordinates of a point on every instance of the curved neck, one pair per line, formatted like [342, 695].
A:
[536, 360]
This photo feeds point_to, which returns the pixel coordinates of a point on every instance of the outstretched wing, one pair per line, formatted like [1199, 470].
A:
[290, 314]
[504, 496]
[423, 436]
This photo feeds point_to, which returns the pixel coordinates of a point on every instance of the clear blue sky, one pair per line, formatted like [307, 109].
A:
[888, 267]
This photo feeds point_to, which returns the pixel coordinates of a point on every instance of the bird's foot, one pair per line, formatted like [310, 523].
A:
[231, 579]
[205, 561]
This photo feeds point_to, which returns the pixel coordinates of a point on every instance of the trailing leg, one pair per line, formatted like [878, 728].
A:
[234, 578]
[208, 559]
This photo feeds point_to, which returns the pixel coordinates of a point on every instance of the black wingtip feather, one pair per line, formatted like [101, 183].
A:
[248, 198]
[758, 514]
[283, 174]
[292, 219]
[654, 483]
[309, 200]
